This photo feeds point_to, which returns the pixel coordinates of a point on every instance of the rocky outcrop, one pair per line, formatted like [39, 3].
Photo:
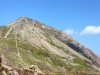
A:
[31, 70]
[15, 71]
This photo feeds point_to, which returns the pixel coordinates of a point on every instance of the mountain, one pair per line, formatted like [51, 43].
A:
[25, 42]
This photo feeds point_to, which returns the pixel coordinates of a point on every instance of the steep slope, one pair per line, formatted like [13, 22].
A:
[25, 42]
[69, 41]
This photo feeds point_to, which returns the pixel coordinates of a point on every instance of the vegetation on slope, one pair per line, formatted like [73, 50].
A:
[21, 53]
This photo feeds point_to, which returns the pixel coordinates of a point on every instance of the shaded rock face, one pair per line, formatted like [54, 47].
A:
[85, 52]
[76, 48]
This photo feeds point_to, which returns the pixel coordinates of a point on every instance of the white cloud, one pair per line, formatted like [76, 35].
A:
[70, 31]
[91, 30]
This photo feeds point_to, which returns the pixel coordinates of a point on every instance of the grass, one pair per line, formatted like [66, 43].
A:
[78, 60]
[37, 53]
[42, 54]
[56, 60]
[11, 35]
[4, 29]
[83, 66]
[8, 41]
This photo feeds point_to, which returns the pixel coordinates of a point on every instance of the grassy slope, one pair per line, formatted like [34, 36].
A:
[31, 55]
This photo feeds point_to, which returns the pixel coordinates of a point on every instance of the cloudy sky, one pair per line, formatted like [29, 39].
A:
[78, 18]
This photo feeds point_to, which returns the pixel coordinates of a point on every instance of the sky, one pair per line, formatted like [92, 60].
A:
[78, 18]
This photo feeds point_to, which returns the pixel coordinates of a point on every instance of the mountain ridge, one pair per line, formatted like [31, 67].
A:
[30, 37]
[63, 36]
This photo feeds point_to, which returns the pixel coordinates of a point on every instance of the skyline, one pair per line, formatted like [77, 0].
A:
[80, 19]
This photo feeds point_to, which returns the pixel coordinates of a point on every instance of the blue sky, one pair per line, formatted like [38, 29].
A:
[78, 18]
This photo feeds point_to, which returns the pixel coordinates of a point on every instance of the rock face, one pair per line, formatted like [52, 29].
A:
[25, 42]
[68, 40]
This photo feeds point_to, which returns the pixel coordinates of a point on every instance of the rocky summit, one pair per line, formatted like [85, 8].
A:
[29, 47]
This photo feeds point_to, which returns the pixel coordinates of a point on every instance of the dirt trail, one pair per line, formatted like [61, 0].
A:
[18, 52]
[7, 33]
